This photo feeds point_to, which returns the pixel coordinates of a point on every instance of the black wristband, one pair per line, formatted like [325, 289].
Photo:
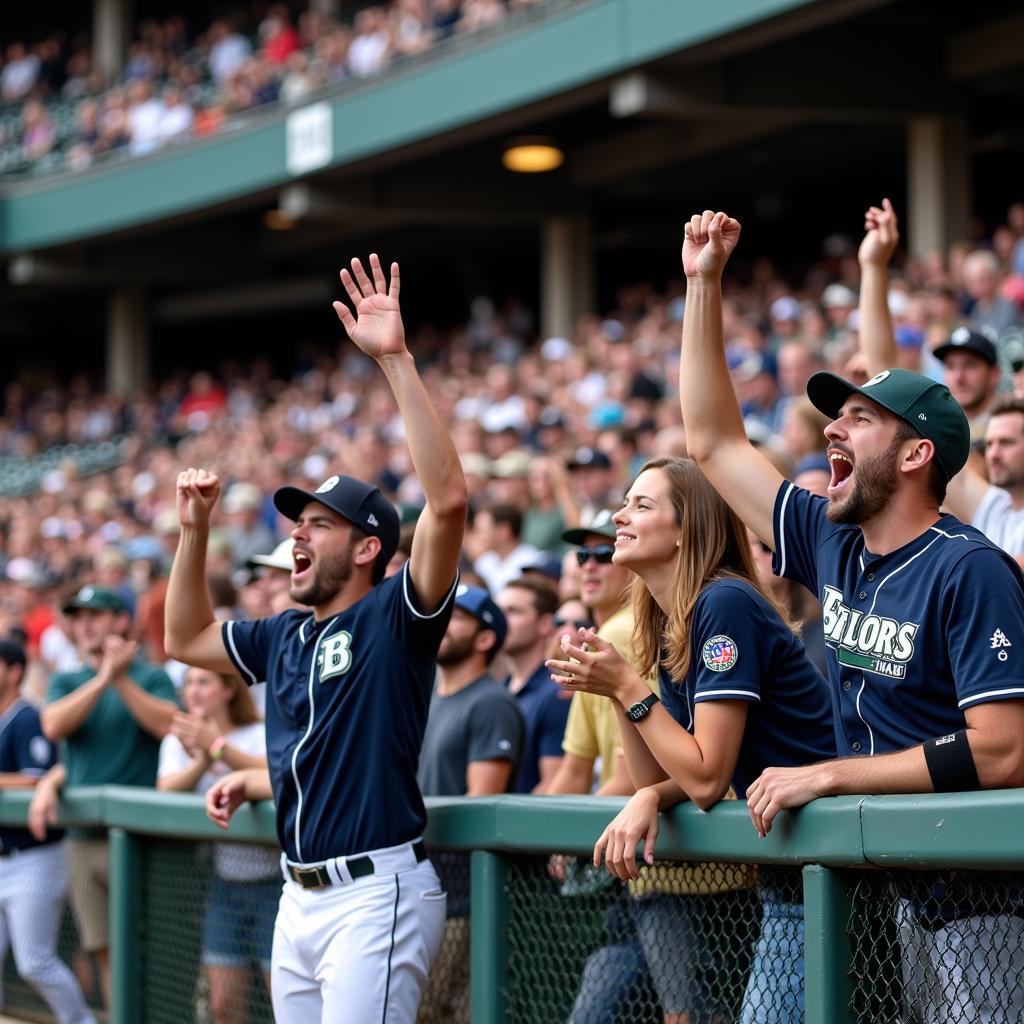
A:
[951, 763]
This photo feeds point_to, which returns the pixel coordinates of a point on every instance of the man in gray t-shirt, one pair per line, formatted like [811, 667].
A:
[474, 731]
[473, 741]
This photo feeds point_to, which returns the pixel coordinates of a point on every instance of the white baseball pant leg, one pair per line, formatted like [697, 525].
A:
[33, 893]
[357, 953]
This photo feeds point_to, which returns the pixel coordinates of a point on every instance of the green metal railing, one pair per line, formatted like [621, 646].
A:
[888, 844]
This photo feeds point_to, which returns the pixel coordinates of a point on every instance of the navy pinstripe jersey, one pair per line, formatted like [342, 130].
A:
[915, 636]
[740, 649]
[25, 750]
[347, 702]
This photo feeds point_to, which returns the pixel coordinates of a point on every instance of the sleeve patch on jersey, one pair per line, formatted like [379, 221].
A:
[39, 749]
[720, 653]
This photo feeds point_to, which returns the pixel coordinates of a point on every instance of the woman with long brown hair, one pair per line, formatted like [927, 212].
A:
[737, 691]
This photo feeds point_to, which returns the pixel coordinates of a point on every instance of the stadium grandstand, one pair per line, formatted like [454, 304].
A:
[180, 183]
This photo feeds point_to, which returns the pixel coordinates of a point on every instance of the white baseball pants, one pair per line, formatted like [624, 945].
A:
[358, 952]
[33, 891]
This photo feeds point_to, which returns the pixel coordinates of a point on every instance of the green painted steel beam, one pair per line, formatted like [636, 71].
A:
[827, 833]
[545, 53]
[183, 816]
[981, 830]
[125, 927]
[827, 955]
[489, 945]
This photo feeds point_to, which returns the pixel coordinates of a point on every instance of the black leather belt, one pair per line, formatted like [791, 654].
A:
[316, 876]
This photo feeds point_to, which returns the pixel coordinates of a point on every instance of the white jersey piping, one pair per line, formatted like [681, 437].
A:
[299, 745]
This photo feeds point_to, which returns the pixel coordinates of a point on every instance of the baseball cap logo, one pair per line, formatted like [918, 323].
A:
[328, 485]
[86, 594]
[960, 336]
[877, 379]
[461, 592]
[372, 520]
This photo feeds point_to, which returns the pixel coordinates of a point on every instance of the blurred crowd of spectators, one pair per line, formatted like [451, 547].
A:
[58, 109]
[553, 427]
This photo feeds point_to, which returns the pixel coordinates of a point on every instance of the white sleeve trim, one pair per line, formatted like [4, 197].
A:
[700, 695]
[236, 657]
[780, 529]
[991, 695]
[440, 608]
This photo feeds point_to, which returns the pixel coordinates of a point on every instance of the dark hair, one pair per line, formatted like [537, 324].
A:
[936, 480]
[545, 600]
[380, 564]
[222, 590]
[507, 514]
[1006, 405]
[11, 653]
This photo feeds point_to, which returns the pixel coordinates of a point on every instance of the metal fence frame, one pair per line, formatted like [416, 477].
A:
[832, 840]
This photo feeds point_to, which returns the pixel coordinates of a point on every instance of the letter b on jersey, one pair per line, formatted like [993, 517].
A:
[335, 655]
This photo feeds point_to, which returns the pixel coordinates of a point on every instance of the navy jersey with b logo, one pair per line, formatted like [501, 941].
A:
[915, 636]
[740, 649]
[347, 702]
[24, 750]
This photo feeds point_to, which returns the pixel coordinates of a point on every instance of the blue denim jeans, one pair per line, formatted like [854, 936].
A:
[775, 989]
[615, 974]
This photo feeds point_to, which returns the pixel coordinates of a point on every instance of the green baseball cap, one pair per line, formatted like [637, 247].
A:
[96, 598]
[601, 524]
[918, 400]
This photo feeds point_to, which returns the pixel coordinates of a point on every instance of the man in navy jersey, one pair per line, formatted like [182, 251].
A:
[33, 871]
[923, 617]
[349, 682]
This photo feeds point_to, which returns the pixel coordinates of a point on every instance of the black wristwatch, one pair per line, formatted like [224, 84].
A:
[642, 708]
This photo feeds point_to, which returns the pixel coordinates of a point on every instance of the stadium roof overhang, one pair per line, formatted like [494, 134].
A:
[769, 107]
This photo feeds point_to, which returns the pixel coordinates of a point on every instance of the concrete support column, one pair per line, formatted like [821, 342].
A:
[567, 274]
[938, 183]
[127, 341]
[111, 32]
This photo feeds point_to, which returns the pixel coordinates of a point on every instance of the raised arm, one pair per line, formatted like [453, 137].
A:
[377, 329]
[881, 234]
[715, 435]
[190, 632]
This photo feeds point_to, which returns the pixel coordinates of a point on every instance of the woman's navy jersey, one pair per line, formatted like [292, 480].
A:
[740, 649]
[347, 702]
[915, 636]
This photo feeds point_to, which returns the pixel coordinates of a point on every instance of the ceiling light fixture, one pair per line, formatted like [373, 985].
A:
[534, 155]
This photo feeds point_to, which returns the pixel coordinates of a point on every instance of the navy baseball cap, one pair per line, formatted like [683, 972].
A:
[361, 504]
[547, 565]
[963, 339]
[482, 607]
[918, 400]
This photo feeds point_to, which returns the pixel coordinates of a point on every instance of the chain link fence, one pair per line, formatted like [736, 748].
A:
[937, 946]
[701, 943]
[206, 930]
[687, 943]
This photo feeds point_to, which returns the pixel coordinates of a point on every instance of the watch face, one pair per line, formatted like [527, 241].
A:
[637, 711]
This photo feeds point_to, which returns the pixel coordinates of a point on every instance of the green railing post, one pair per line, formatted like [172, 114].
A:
[489, 949]
[125, 919]
[827, 982]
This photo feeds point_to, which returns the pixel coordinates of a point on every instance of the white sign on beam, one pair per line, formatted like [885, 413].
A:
[309, 138]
